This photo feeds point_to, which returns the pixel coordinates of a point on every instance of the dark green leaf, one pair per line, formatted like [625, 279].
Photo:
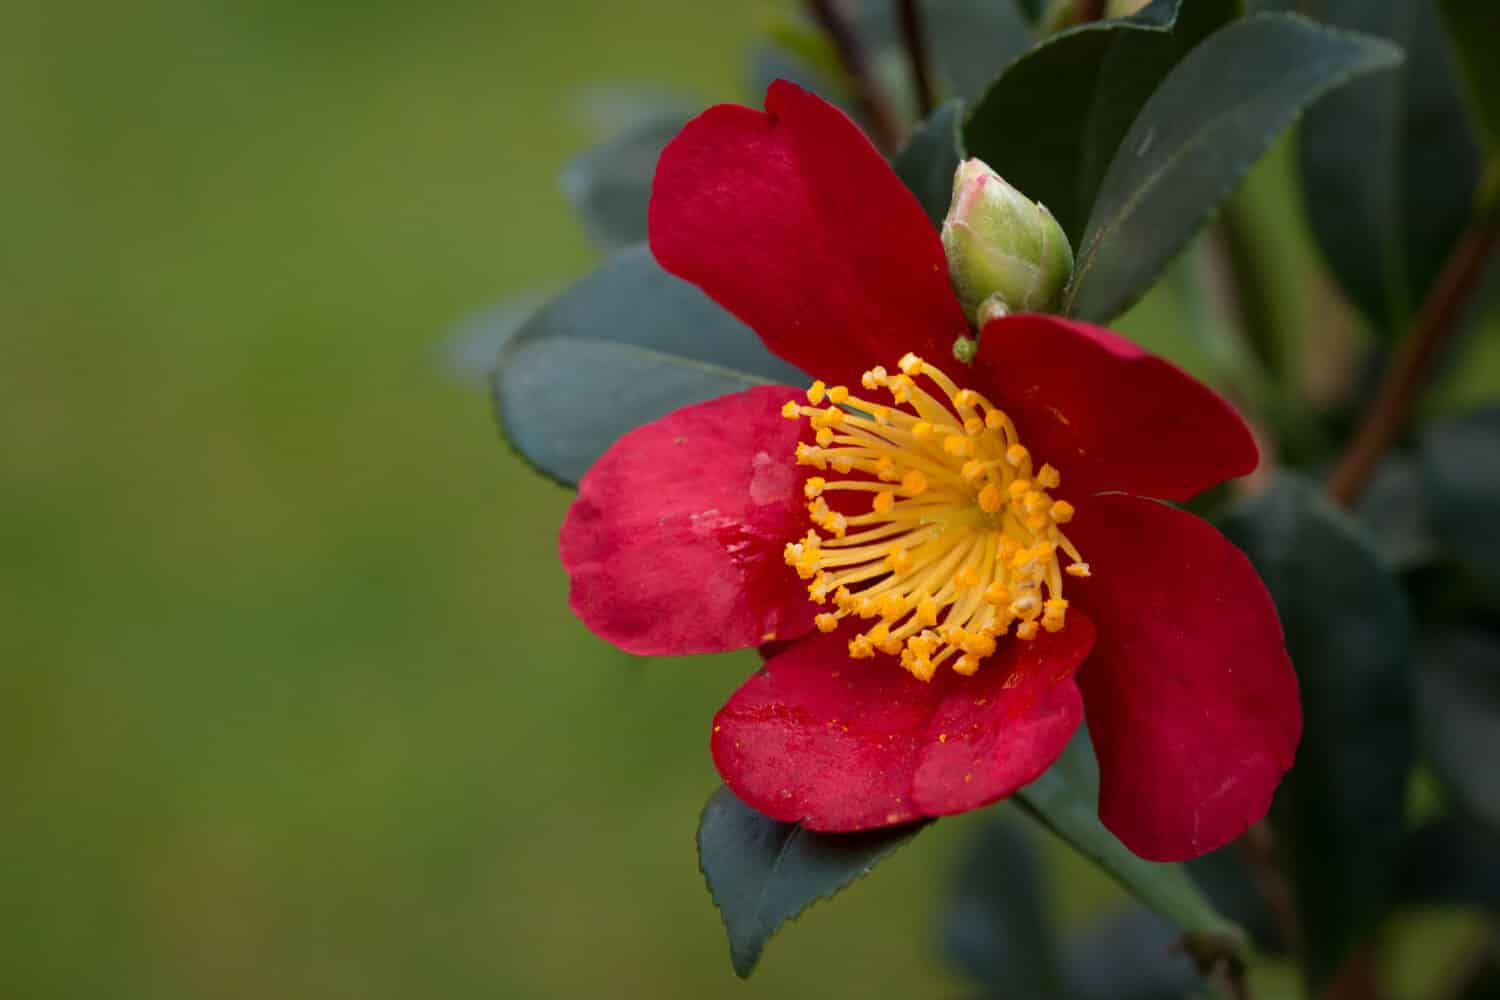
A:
[1348, 630]
[973, 41]
[1051, 123]
[1452, 861]
[930, 158]
[1394, 512]
[1389, 165]
[1472, 27]
[995, 925]
[762, 873]
[622, 347]
[1460, 710]
[1462, 478]
[1031, 9]
[1213, 115]
[1065, 799]
[1131, 954]
[610, 184]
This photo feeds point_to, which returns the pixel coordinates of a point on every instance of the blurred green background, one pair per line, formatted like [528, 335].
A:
[292, 703]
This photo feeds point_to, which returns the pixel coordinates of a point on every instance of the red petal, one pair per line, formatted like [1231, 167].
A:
[674, 544]
[1192, 701]
[841, 744]
[792, 221]
[1108, 415]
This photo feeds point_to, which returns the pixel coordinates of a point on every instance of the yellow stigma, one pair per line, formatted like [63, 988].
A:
[961, 544]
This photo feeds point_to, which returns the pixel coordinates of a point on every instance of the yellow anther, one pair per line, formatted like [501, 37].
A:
[979, 644]
[946, 578]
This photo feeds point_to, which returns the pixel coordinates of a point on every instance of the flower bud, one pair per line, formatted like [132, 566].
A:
[1006, 253]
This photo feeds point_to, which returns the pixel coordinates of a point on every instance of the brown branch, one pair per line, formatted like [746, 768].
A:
[1409, 370]
[879, 111]
[1258, 847]
[914, 34]
[1085, 11]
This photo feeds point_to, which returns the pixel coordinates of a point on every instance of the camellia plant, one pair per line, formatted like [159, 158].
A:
[846, 392]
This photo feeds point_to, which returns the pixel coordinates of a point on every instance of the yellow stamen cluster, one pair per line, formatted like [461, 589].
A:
[962, 541]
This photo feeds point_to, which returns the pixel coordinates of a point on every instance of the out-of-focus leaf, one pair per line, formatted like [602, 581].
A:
[931, 156]
[1031, 9]
[995, 925]
[1452, 861]
[1472, 27]
[769, 63]
[1348, 630]
[1065, 799]
[1460, 712]
[622, 347]
[973, 41]
[1131, 954]
[1394, 512]
[1213, 115]
[471, 348]
[1226, 880]
[1462, 478]
[762, 873]
[610, 184]
[1389, 164]
[1052, 122]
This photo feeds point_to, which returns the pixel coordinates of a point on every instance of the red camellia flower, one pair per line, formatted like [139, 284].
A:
[905, 539]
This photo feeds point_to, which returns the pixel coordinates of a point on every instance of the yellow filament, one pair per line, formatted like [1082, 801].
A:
[962, 543]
